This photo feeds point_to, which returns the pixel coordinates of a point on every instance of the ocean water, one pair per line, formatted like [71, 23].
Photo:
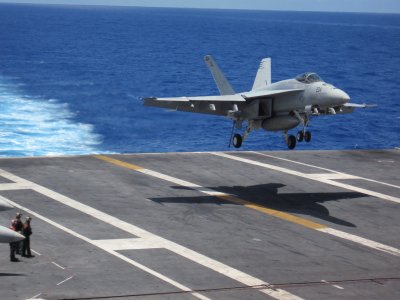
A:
[71, 77]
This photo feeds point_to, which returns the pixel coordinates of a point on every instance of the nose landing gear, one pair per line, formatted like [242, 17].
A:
[237, 140]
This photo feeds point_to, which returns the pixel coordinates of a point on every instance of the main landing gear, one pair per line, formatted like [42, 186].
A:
[304, 135]
[301, 135]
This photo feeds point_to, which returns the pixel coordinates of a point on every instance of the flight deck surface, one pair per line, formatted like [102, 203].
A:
[223, 225]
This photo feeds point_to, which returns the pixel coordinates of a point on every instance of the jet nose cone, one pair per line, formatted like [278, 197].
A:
[9, 236]
[345, 96]
[338, 97]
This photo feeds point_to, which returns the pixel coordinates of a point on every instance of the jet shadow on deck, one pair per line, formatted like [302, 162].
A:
[11, 274]
[267, 195]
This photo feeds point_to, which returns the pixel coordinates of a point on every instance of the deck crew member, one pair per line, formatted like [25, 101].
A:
[26, 243]
[17, 224]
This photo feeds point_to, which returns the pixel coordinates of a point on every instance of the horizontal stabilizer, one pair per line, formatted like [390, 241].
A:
[223, 85]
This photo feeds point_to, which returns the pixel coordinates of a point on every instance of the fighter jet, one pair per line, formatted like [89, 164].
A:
[8, 235]
[278, 106]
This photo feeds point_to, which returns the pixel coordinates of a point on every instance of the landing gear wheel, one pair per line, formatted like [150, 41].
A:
[291, 142]
[307, 136]
[300, 136]
[237, 140]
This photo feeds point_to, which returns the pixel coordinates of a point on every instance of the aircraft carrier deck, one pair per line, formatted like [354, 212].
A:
[225, 225]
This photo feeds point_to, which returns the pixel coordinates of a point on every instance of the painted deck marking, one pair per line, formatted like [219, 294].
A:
[34, 297]
[57, 265]
[325, 169]
[334, 285]
[65, 280]
[37, 253]
[338, 287]
[124, 258]
[203, 260]
[129, 244]
[272, 212]
[309, 176]
[220, 195]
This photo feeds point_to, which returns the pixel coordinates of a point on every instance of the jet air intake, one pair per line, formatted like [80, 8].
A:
[280, 123]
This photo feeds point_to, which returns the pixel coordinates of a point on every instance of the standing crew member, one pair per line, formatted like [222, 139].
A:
[17, 224]
[26, 244]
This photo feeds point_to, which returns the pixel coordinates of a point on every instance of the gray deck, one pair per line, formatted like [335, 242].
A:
[187, 242]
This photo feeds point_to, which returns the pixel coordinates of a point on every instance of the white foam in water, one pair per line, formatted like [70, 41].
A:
[39, 127]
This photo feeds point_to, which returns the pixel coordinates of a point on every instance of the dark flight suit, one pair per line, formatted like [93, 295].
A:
[17, 225]
[26, 243]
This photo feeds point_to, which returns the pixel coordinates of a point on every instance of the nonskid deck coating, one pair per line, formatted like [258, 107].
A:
[207, 226]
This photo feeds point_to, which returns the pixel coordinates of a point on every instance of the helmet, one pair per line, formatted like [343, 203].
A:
[18, 215]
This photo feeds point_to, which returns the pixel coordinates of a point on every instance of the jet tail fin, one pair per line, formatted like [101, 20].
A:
[263, 77]
[223, 85]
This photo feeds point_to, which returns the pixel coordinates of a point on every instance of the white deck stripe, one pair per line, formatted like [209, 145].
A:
[128, 244]
[57, 265]
[361, 241]
[126, 259]
[34, 297]
[325, 169]
[337, 233]
[37, 253]
[338, 287]
[310, 176]
[65, 280]
[210, 263]
[12, 186]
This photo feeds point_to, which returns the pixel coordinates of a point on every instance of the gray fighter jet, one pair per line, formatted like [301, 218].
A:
[8, 235]
[278, 106]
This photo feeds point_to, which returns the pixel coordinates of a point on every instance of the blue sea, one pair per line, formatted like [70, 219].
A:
[72, 77]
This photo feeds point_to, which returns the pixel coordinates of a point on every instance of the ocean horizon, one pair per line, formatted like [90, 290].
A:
[72, 77]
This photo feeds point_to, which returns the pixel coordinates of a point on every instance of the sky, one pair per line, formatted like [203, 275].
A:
[378, 6]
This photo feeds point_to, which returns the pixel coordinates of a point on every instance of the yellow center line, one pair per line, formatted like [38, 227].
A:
[226, 197]
[119, 163]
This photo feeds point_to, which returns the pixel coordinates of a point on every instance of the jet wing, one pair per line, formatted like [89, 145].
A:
[225, 98]
[215, 105]
[269, 93]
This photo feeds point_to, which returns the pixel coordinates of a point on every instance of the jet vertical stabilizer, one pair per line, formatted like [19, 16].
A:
[263, 77]
[223, 85]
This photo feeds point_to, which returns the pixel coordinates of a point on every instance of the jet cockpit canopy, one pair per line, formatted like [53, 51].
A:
[308, 77]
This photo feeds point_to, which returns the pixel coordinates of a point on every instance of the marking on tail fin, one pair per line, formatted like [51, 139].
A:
[222, 83]
[263, 77]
